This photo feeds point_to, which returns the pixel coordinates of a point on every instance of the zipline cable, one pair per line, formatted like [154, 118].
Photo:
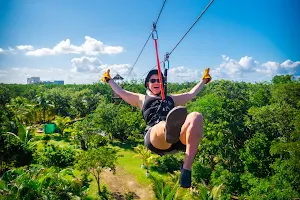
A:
[146, 40]
[191, 26]
[145, 44]
[184, 34]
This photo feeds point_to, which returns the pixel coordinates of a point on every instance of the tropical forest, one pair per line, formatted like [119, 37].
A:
[79, 141]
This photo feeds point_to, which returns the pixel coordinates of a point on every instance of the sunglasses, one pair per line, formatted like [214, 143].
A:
[153, 80]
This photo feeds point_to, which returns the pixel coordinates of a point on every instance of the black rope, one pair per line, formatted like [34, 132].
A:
[144, 44]
[160, 12]
[192, 26]
[184, 34]
[139, 55]
[146, 40]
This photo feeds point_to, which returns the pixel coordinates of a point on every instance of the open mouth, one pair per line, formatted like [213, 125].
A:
[156, 87]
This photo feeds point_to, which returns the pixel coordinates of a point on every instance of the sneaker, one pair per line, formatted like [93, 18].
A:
[185, 178]
[175, 119]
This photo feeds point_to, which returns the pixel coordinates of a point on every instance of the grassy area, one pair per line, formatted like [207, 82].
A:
[132, 165]
[127, 161]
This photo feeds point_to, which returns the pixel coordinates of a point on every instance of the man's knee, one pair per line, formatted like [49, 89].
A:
[195, 123]
[195, 118]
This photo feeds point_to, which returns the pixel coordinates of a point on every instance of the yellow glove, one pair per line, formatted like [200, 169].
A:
[106, 77]
[206, 75]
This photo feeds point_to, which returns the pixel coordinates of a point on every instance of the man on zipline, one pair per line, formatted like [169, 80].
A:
[169, 127]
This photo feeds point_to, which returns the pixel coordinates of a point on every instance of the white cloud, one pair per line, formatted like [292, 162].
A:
[287, 67]
[41, 52]
[91, 46]
[11, 49]
[233, 69]
[1, 50]
[121, 69]
[248, 69]
[86, 64]
[94, 65]
[269, 68]
[25, 47]
[183, 74]
[65, 47]
[20, 75]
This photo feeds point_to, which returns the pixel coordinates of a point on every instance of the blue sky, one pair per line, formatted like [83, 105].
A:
[76, 41]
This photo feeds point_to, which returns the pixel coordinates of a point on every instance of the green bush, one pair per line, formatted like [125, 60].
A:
[46, 137]
[36, 182]
[201, 172]
[14, 153]
[168, 163]
[55, 156]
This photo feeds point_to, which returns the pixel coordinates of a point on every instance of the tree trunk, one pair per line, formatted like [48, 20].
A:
[98, 184]
[82, 144]
[44, 115]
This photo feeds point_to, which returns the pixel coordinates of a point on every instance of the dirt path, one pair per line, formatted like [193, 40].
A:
[122, 183]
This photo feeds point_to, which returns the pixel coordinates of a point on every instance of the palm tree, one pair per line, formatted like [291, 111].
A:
[41, 183]
[62, 123]
[22, 109]
[146, 155]
[163, 190]
[25, 135]
[44, 104]
[203, 193]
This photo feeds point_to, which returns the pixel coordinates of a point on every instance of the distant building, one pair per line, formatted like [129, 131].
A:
[33, 80]
[55, 82]
[60, 82]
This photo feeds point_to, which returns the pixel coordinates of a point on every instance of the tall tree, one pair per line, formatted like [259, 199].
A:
[94, 161]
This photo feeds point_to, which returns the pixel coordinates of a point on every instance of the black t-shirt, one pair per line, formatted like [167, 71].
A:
[155, 109]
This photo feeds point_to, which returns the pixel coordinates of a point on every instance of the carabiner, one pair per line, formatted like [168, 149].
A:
[167, 60]
[154, 32]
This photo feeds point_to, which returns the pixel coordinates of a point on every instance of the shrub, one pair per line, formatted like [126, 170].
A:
[201, 172]
[168, 163]
[55, 156]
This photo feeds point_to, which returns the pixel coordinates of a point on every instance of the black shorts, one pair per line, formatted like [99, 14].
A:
[179, 146]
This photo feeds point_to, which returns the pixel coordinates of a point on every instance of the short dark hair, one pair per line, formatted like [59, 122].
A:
[150, 73]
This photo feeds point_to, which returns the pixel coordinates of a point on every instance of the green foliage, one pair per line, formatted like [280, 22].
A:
[200, 172]
[163, 189]
[94, 161]
[62, 123]
[88, 134]
[230, 180]
[279, 79]
[168, 163]
[56, 156]
[250, 146]
[41, 183]
[286, 93]
[22, 109]
[203, 193]
[287, 166]
[274, 120]
[13, 152]
[259, 95]
[255, 155]
[147, 157]
[44, 105]
[267, 188]
[119, 122]
[84, 101]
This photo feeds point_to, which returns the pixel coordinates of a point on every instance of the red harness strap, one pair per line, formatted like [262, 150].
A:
[161, 86]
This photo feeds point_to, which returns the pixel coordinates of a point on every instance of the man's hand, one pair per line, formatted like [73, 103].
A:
[106, 77]
[206, 77]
